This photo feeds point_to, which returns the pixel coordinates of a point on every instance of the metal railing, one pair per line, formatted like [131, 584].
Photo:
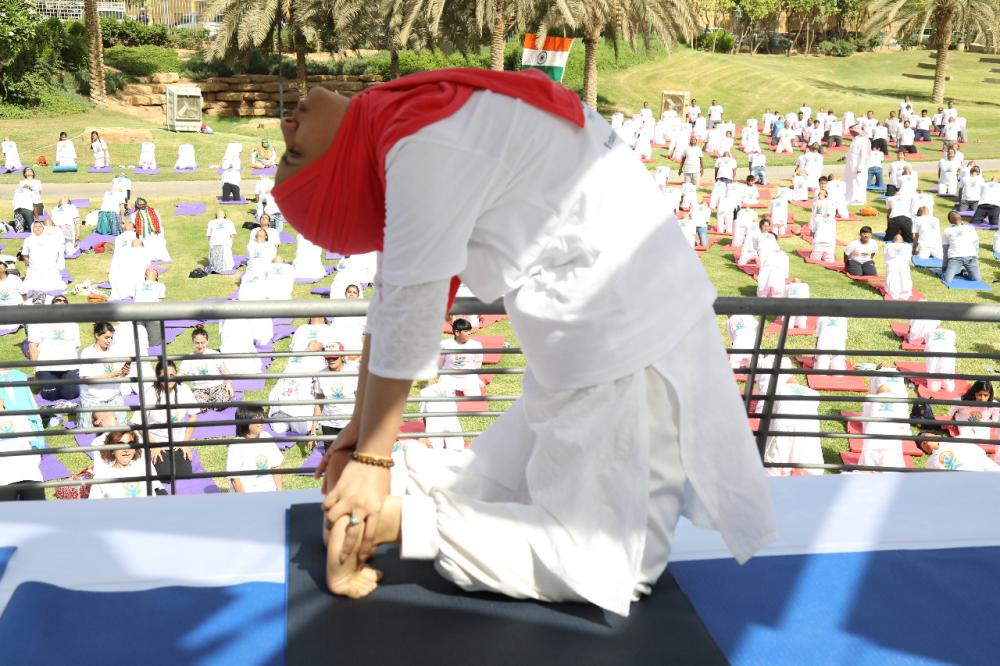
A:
[765, 359]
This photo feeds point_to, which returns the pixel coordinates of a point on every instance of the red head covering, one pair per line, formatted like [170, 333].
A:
[338, 201]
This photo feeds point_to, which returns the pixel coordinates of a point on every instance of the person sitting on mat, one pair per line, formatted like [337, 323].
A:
[147, 156]
[263, 156]
[988, 207]
[290, 391]
[742, 332]
[859, 255]
[920, 329]
[831, 336]
[210, 388]
[465, 355]
[121, 463]
[181, 420]
[11, 156]
[887, 452]
[927, 235]
[961, 249]
[794, 448]
[231, 180]
[898, 281]
[65, 152]
[554, 549]
[941, 341]
[257, 452]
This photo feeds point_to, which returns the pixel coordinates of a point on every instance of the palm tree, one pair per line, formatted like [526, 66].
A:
[663, 19]
[944, 17]
[95, 52]
[248, 25]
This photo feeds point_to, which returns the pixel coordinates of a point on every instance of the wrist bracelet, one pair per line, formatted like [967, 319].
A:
[368, 459]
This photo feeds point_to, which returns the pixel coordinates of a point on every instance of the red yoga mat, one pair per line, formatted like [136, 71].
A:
[851, 458]
[490, 342]
[909, 367]
[851, 384]
[857, 428]
[901, 329]
[915, 296]
[774, 328]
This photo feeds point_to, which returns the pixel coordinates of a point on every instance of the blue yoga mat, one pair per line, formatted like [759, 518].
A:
[850, 608]
[961, 283]
[930, 262]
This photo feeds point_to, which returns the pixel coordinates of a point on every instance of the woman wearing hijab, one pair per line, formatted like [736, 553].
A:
[548, 238]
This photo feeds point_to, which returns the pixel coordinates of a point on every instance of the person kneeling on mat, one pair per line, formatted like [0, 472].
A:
[961, 250]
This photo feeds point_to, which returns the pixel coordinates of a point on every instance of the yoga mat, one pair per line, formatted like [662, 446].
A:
[413, 602]
[929, 262]
[266, 171]
[832, 265]
[857, 428]
[14, 234]
[853, 457]
[286, 237]
[90, 241]
[64, 169]
[52, 468]
[908, 367]
[146, 172]
[182, 323]
[901, 329]
[92, 169]
[312, 460]
[282, 331]
[851, 383]
[80, 203]
[189, 208]
[186, 170]
[73, 255]
[915, 295]
[246, 385]
[333, 256]
[215, 431]
[984, 226]
[195, 486]
[231, 202]
[774, 328]
[967, 213]
[961, 283]
[321, 291]
[104, 285]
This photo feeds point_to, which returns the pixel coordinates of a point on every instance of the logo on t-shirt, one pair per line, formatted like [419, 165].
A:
[131, 489]
[948, 460]
[261, 461]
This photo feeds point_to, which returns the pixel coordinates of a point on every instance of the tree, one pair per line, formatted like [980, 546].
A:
[664, 19]
[944, 17]
[95, 52]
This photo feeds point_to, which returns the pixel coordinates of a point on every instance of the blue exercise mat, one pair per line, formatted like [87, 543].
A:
[883, 607]
[961, 283]
[879, 235]
[930, 262]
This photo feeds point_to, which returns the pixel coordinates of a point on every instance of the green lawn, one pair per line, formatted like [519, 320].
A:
[745, 85]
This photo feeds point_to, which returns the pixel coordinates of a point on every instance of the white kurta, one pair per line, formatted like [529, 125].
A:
[11, 156]
[147, 155]
[898, 281]
[185, 157]
[65, 154]
[551, 242]
[941, 340]
[795, 448]
[102, 158]
[308, 261]
[856, 170]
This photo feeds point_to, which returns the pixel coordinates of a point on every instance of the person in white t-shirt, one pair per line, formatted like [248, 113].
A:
[41, 255]
[961, 249]
[700, 216]
[794, 448]
[65, 152]
[18, 471]
[907, 137]
[773, 262]
[211, 388]
[151, 290]
[725, 168]
[121, 463]
[692, 164]
[465, 355]
[290, 392]
[989, 203]
[101, 396]
[221, 233]
[692, 111]
[831, 336]
[941, 341]
[182, 420]
[927, 235]
[260, 252]
[898, 281]
[11, 156]
[859, 255]
[257, 452]
[308, 262]
[56, 342]
[970, 189]
[823, 226]
[948, 168]
[317, 330]
[714, 114]
[796, 288]
[11, 293]
[333, 385]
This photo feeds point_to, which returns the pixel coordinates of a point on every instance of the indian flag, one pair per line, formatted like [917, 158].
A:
[550, 58]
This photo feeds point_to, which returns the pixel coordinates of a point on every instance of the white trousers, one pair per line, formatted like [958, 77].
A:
[483, 536]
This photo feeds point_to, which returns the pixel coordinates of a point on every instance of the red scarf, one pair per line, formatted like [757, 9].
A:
[149, 221]
[338, 201]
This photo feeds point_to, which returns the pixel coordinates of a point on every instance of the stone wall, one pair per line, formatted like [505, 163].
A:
[244, 95]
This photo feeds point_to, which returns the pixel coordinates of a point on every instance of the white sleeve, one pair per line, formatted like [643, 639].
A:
[405, 328]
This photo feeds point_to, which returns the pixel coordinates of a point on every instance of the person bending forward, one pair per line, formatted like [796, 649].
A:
[536, 219]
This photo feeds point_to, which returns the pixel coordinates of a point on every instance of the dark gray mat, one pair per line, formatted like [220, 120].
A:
[417, 617]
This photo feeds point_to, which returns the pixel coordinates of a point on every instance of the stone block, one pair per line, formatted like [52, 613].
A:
[263, 78]
[165, 77]
[265, 105]
[370, 78]
[221, 113]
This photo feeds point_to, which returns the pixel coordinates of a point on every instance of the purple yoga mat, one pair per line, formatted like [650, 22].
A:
[74, 255]
[984, 225]
[332, 256]
[44, 216]
[282, 331]
[80, 203]
[172, 334]
[11, 234]
[191, 170]
[278, 321]
[312, 461]
[92, 169]
[90, 241]
[232, 202]
[196, 486]
[104, 285]
[320, 291]
[286, 237]
[146, 172]
[182, 323]
[215, 431]
[246, 385]
[66, 276]
[189, 208]
[52, 468]
[268, 171]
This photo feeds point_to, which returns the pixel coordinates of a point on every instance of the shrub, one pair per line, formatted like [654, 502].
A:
[113, 82]
[837, 47]
[129, 32]
[719, 41]
[53, 104]
[142, 60]
[186, 38]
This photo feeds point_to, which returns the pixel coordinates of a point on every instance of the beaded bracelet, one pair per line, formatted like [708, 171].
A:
[369, 459]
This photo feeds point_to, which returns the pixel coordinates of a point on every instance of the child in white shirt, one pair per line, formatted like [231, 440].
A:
[257, 452]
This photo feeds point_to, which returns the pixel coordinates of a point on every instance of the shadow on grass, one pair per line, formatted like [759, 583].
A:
[894, 93]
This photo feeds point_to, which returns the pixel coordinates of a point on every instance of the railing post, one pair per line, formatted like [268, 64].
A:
[764, 426]
[752, 370]
[142, 412]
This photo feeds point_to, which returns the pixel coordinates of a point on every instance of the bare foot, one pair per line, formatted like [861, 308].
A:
[351, 579]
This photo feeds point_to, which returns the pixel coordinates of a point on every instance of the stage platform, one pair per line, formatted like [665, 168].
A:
[868, 569]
